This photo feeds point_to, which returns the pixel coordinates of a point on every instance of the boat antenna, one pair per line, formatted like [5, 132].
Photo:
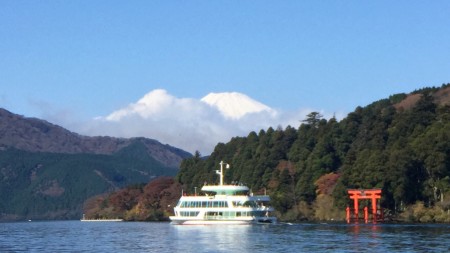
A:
[220, 172]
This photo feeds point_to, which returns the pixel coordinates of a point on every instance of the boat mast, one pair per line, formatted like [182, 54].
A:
[220, 172]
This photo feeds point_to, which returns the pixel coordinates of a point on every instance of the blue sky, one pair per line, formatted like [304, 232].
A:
[71, 61]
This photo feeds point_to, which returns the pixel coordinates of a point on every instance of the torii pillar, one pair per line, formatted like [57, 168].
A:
[356, 195]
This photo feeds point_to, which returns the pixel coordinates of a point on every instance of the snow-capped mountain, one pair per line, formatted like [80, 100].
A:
[188, 123]
[234, 105]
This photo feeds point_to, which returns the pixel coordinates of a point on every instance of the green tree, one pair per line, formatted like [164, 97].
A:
[313, 119]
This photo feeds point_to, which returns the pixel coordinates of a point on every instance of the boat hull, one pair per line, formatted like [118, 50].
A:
[209, 222]
[262, 220]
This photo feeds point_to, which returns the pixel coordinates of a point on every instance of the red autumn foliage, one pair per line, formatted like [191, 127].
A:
[125, 199]
[150, 202]
[326, 183]
[161, 193]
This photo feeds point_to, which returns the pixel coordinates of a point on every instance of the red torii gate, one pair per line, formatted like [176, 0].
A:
[356, 195]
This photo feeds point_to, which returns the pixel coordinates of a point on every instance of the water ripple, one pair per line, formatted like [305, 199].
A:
[76, 236]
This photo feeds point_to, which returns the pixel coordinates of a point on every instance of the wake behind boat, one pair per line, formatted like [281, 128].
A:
[223, 204]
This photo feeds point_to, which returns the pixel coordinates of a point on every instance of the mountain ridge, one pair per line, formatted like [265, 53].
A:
[36, 135]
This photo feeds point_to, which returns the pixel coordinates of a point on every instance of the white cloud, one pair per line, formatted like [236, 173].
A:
[151, 104]
[192, 124]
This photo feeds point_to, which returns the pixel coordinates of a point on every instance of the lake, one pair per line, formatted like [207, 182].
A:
[76, 236]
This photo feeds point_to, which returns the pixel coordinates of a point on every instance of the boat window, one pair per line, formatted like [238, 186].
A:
[250, 204]
[205, 204]
[219, 204]
[229, 214]
[244, 214]
[189, 213]
[214, 215]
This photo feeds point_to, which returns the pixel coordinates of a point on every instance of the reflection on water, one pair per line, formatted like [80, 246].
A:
[76, 236]
[213, 238]
[396, 237]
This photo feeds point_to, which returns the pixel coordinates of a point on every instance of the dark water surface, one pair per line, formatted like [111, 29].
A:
[76, 236]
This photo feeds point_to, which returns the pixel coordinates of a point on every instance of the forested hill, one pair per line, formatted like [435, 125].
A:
[400, 144]
[48, 172]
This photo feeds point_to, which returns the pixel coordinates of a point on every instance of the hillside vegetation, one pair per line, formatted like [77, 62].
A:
[400, 144]
[47, 172]
[54, 186]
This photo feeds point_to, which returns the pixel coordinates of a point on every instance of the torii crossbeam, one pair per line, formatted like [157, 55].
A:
[356, 195]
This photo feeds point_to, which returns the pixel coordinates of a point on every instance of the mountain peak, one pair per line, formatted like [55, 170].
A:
[234, 105]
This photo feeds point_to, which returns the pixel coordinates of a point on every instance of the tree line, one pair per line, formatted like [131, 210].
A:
[401, 148]
[400, 145]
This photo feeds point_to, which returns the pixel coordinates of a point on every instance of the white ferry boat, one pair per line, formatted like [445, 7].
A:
[223, 204]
